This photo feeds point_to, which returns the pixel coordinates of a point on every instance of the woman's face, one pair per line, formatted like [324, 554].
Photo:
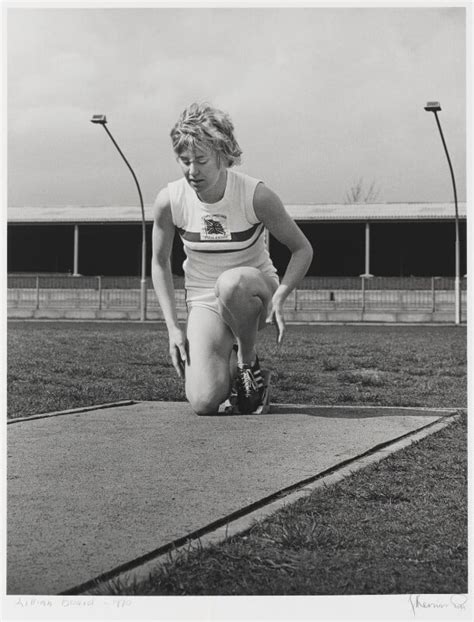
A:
[202, 169]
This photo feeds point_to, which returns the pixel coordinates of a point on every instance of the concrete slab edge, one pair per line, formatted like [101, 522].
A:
[71, 411]
[139, 570]
[86, 409]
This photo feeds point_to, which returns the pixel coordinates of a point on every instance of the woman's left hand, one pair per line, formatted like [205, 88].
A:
[275, 315]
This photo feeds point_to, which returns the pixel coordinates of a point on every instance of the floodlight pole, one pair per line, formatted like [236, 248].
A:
[434, 107]
[101, 120]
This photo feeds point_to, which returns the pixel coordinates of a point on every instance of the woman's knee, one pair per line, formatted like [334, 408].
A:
[203, 402]
[206, 391]
[245, 281]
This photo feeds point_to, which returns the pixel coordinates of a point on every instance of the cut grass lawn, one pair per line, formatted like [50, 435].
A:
[55, 366]
[396, 527]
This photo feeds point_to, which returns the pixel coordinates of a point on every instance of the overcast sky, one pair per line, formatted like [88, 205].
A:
[319, 98]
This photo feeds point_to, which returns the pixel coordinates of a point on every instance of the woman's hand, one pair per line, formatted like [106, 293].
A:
[178, 350]
[275, 315]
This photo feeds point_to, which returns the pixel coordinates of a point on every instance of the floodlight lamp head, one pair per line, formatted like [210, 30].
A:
[433, 107]
[100, 119]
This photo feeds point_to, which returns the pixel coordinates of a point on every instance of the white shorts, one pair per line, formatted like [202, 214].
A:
[201, 297]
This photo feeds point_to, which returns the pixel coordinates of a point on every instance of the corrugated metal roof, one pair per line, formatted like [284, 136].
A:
[303, 212]
[377, 211]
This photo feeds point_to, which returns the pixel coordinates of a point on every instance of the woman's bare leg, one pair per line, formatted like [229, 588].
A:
[209, 375]
[243, 296]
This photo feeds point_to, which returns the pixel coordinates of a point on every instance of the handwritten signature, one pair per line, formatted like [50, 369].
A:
[453, 601]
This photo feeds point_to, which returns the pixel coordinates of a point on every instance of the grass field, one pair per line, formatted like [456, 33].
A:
[54, 366]
[397, 527]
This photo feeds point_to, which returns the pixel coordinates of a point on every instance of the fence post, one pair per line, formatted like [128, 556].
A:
[99, 286]
[296, 299]
[363, 292]
[37, 292]
[143, 299]
[433, 301]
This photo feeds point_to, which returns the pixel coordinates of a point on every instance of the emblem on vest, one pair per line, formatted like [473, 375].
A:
[215, 228]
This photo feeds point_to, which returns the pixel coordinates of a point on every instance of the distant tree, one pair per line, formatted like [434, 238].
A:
[358, 194]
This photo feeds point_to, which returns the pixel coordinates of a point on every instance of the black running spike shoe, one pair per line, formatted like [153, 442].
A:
[250, 387]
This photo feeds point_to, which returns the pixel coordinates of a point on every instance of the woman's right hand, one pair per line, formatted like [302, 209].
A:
[178, 350]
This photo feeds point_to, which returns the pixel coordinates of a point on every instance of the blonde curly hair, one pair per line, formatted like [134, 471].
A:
[202, 126]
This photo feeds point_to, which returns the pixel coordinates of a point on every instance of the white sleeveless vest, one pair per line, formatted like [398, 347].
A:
[219, 236]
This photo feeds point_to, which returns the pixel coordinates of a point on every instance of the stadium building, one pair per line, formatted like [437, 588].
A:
[386, 239]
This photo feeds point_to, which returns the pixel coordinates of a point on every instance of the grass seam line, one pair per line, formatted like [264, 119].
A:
[72, 411]
[240, 520]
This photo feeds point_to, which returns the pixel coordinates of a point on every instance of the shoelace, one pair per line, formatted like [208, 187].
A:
[248, 382]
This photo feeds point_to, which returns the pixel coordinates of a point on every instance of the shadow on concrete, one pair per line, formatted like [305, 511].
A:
[345, 412]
